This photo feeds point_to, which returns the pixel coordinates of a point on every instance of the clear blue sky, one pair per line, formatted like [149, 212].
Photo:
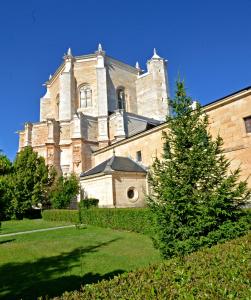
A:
[207, 42]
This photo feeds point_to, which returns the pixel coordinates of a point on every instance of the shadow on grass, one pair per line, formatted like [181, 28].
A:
[6, 241]
[50, 275]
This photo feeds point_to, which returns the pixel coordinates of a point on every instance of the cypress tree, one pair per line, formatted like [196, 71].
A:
[195, 198]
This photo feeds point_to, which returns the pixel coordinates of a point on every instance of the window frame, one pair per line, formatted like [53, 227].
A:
[86, 101]
[247, 123]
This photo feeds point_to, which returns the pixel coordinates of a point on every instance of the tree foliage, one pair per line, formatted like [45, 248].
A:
[64, 190]
[23, 184]
[5, 170]
[195, 197]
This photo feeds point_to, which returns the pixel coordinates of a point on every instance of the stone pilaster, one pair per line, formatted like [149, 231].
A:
[76, 126]
[120, 125]
[28, 134]
[52, 148]
[66, 89]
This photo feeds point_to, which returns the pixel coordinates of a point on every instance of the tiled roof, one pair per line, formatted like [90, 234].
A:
[116, 163]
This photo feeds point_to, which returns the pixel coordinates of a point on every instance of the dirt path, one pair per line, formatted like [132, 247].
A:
[36, 230]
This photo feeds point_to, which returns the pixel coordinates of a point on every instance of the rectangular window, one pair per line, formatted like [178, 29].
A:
[138, 156]
[247, 121]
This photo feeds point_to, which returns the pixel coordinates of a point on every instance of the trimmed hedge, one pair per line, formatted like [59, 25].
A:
[221, 272]
[65, 215]
[88, 203]
[131, 219]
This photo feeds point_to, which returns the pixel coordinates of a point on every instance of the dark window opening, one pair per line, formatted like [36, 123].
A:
[121, 98]
[138, 156]
[247, 121]
[130, 193]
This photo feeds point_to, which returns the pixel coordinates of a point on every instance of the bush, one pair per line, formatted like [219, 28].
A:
[33, 214]
[221, 272]
[64, 215]
[64, 191]
[88, 202]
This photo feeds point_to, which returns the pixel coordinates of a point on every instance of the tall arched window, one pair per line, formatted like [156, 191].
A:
[121, 98]
[85, 96]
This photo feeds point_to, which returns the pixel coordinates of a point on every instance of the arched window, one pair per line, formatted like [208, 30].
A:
[121, 98]
[85, 96]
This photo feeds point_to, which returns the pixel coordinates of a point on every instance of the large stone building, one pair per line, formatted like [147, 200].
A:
[103, 119]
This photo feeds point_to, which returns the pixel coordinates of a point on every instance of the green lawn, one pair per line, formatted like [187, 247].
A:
[49, 263]
[26, 225]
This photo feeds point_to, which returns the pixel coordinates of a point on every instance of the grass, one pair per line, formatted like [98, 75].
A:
[26, 225]
[49, 263]
[220, 272]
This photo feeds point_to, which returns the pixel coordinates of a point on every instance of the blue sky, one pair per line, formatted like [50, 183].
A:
[207, 42]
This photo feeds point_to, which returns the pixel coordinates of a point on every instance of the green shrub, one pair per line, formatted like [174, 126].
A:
[131, 219]
[65, 215]
[88, 202]
[64, 190]
[221, 272]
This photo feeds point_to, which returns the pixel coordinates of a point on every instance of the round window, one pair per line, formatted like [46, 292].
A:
[132, 194]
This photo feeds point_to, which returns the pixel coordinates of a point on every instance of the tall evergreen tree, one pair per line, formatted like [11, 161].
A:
[195, 197]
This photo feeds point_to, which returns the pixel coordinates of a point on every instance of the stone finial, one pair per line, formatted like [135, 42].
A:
[155, 55]
[100, 48]
[50, 77]
[137, 65]
[69, 52]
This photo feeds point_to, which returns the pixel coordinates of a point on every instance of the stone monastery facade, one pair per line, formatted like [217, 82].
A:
[103, 120]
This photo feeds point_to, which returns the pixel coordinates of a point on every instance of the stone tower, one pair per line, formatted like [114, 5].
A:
[153, 90]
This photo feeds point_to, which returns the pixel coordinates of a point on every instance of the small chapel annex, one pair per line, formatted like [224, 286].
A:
[103, 120]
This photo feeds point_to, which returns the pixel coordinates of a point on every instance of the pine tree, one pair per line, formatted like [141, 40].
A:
[195, 198]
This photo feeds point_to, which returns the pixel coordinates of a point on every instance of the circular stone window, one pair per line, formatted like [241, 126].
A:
[132, 194]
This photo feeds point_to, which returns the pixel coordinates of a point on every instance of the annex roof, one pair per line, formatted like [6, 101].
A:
[116, 163]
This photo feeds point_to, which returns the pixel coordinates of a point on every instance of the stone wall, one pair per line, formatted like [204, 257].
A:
[39, 134]
[123, 182]
[149, 143]
[227, 119]
[121, 75]
[99, 187]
